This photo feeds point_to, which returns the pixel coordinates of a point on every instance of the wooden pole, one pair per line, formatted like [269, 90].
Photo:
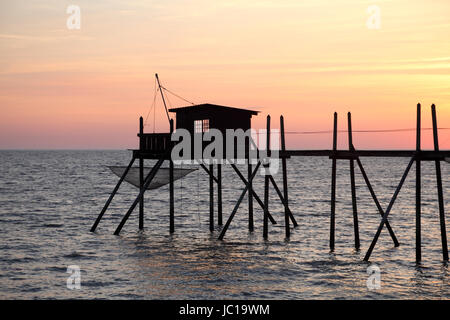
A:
[230, 218]
[418, 189]
[333, 185]
[141, 172]
[439, 186]
[285, 184]
[377, 203]
[353, 184]
[255, 195]
[171, 189]
[250, 189]
[111, 196]
[266, 182]
[219, 194]
[147, 180]
[211, 198]
[388, 210]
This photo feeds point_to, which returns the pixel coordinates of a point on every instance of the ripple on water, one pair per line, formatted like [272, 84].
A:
[45, 229]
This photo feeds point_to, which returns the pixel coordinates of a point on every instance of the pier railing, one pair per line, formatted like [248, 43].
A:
[154, 142]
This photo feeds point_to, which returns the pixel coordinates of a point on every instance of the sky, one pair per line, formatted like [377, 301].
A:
[85, 88]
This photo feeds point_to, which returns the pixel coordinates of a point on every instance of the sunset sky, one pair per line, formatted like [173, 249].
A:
[305, 59]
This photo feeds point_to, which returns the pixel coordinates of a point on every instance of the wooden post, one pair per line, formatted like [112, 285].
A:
[352, 183]
[147, 181]
[250, 188]
[141, 172]
[211, 198]
[171, 189]
[388, 210]
[111, 196]
[266, 182]
[230, 218]
[219, 194]
[418, 189]
[439, 186]
[255, 196]
[285, 184]
[333, 185]
[377, 203]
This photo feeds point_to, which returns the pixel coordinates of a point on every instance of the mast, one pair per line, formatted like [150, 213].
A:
[162, 96]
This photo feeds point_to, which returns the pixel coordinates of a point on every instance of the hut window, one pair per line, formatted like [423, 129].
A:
[201, 125]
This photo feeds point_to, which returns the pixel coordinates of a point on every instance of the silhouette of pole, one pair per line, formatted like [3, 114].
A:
[388, 210]
[285, 184]
[141, 172]
[418, 189]
[171, 189]
[250, 189]
[230, 218]
[219, 194]
[377, 203]
[255, 195]
[353, 184]
[266, 182]
[147, 180]
[439, 186]
[333, 184]
[283, 201]
[211, 198]
[111, 196]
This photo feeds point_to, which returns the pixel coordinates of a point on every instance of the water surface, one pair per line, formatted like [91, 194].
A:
[50, 199]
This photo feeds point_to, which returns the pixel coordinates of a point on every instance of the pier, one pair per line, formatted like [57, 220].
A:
[198, 120]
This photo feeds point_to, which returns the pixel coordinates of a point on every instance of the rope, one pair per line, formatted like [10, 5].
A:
[358, 131]
[178, 96]
[152, 107]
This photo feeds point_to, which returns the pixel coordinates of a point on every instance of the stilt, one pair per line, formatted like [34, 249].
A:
[353, 184]
[377, 203]
[333, 184]
[386, 214]
[250, 198]
[141, 173]
[266, 182]
[171, 190]
[147, 181]
[111, 196]
[418, 189]
[250, 188]
[439, 187]
[230, 218]
[283, 201]
[211, 198]
[285, 185]
[219, 194]
[255, 195]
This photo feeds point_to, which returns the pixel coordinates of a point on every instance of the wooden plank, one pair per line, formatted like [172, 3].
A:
[346, 154]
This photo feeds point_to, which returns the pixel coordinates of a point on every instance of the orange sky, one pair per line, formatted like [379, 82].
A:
[86, 88]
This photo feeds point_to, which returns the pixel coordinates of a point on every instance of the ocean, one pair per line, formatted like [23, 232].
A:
[50, 199]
